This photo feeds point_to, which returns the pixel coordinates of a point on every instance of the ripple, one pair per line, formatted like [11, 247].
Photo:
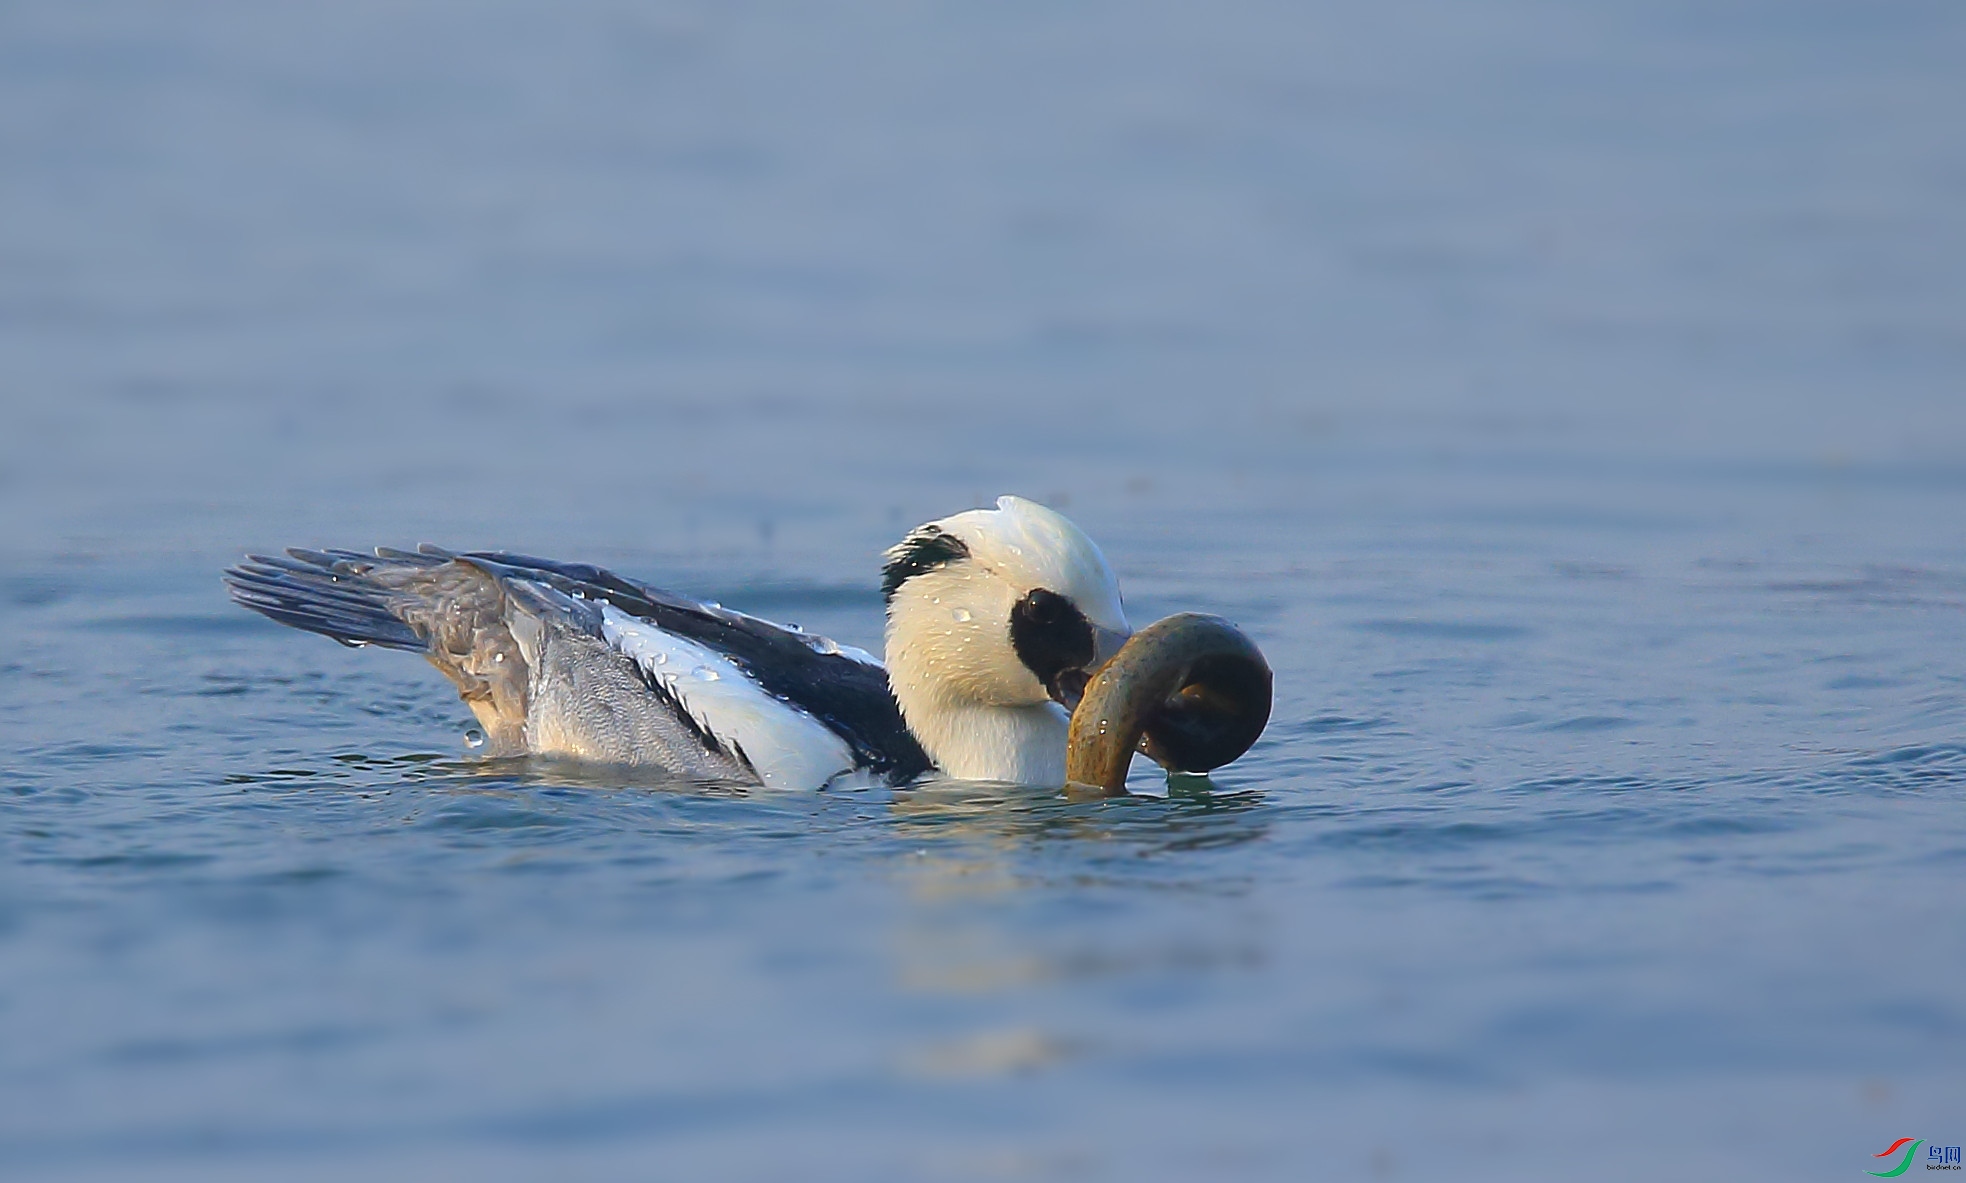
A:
[1444, 630]
[1591, 723]
[229, 624]
[1337, 725]
[36, 591]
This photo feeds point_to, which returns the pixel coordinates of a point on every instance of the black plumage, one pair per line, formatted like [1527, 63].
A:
[923, 550]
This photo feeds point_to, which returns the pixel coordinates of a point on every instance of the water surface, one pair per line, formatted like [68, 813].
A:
[1568, 402]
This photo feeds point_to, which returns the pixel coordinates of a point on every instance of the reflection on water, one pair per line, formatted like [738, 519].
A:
[1006, 816]
[972, 842]
[979, 918]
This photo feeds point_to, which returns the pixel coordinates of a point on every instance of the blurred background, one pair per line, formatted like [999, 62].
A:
[1569, 398]
[798, 274]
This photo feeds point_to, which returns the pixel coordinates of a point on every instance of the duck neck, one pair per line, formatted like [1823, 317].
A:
[977, 741]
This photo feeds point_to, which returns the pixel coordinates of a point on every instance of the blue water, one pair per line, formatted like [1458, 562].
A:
[1570, 401]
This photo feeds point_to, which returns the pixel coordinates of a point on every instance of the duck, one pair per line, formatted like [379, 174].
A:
[997, 621]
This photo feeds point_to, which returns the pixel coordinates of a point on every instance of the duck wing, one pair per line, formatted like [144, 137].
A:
[570, 658]
[844, 688]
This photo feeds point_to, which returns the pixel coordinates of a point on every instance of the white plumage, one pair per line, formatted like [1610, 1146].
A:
[977, 708]
[787, 747]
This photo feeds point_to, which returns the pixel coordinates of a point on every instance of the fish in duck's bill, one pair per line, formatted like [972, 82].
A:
[997, 622]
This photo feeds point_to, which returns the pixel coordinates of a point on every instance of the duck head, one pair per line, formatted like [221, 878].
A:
[1009, 653]
[996, 621]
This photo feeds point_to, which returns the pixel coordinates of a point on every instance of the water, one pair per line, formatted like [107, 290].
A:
[1567, 401]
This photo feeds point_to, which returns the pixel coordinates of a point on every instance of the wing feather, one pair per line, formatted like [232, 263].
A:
[709, 690]
[843, 688]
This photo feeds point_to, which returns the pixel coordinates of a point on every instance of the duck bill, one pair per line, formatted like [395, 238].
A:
[1191, 691]
[1067, 688]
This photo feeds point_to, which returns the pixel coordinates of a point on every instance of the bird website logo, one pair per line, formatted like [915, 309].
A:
[1904, 1150]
